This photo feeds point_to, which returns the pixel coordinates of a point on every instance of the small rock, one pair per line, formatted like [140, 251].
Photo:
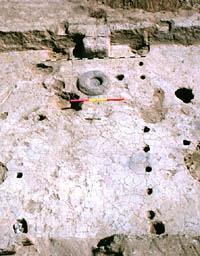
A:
[3, 172]
[3, 115]
[21, 226]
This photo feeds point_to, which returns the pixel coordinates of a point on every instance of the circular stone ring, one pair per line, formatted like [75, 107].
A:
[93, 83]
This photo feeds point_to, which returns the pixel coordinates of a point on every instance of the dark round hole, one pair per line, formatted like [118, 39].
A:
[157, 227]
[19, 175]
[184, 94]
[141, 63]
[148, 169]
[146, 129]
[151, 215]
[142, 77]
[186, 142]
[149, 191]
[76, 105]
[120, 77]
[146, 148]
[41, 117]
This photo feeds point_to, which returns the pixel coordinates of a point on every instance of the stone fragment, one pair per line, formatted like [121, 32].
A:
[192, 162]
[3, 172]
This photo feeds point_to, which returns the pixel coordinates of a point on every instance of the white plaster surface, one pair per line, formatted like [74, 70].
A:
[86, 178]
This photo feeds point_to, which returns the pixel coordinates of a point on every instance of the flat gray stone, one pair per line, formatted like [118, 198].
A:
[93, 83]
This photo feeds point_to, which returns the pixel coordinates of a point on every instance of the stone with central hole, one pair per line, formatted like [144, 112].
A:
[93, 83]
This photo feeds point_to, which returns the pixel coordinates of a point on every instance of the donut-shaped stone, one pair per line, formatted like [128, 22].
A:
[93, 83]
